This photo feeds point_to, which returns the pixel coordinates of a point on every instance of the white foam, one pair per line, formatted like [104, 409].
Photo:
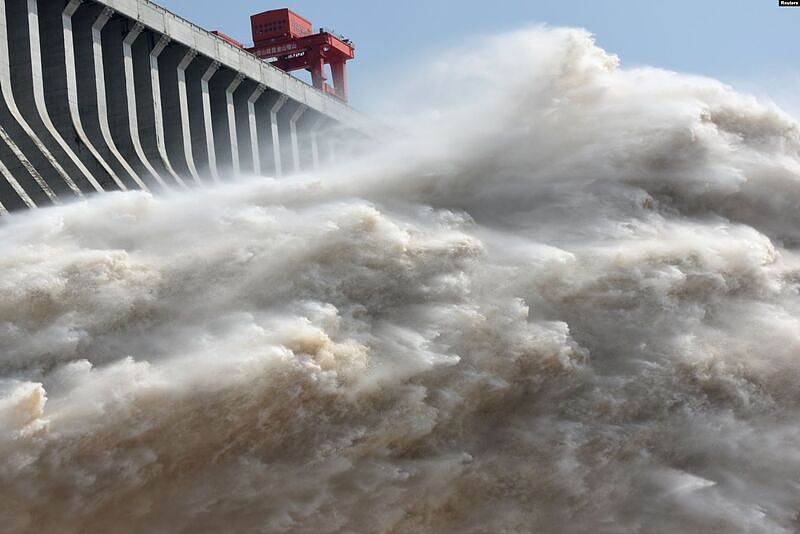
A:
[566, 302]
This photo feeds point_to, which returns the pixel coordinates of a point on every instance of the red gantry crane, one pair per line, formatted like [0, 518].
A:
[288, 42]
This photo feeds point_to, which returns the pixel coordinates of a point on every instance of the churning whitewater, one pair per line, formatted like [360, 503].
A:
[568, 302]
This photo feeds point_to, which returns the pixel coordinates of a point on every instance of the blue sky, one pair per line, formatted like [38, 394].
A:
[752, 44]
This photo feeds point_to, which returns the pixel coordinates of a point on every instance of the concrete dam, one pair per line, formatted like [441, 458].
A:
[109, 95]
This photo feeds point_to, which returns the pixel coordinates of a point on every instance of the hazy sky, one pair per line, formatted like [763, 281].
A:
[750, 43]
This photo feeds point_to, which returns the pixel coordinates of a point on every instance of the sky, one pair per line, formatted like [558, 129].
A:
[751, 44]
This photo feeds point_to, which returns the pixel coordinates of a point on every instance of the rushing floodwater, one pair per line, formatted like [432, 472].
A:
[569, 304]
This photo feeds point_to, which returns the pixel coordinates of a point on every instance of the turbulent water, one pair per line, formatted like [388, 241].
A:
[567, 303]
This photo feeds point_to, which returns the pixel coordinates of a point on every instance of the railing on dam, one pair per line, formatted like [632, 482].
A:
[223, 43]
[106, 95]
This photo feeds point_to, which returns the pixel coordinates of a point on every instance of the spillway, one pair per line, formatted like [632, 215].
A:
[113, 95]
[565, 302]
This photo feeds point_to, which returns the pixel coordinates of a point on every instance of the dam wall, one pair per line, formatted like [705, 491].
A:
[109, 95]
